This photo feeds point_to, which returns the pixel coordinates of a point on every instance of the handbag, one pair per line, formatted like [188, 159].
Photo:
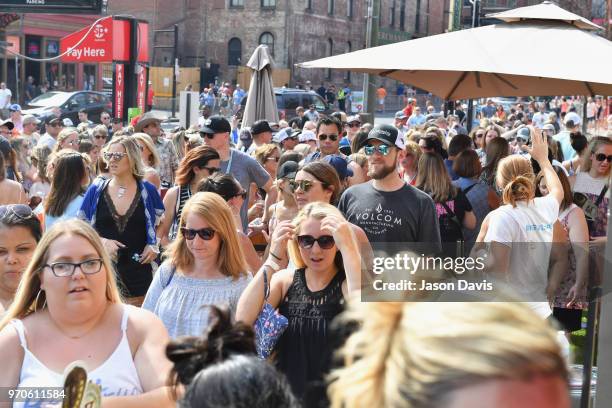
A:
[269, 326]
[590, 209]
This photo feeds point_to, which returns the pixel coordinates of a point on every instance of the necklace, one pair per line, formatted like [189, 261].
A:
[121, 191]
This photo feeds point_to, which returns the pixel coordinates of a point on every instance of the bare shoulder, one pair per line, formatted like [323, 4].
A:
[142, 324]
[283, 279]
[9, 341]
[11, 355]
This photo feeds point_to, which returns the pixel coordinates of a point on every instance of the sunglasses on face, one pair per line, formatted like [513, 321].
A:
[117, 156]
[479, 135]
[307, 241]
[305, 185]
[354, 125]
[324, 137]
[205, 233]
[601, 157]
[382, 149]
[100, 137]
[273, 158]
[209, 135]
[212, 170]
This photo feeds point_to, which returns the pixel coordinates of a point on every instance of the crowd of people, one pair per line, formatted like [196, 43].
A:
[226, 265]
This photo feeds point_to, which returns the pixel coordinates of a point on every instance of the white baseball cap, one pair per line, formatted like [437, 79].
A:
[572, 116]
[306, 136]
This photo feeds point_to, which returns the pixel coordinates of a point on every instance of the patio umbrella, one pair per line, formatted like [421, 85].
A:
[261, 102]
[537, 50]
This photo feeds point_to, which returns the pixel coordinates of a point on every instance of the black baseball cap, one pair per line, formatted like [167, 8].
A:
[53, 120]
[216, 124]
[387, 134]
[288, 170]
[260, 126]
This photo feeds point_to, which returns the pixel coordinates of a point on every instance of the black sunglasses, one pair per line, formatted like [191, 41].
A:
[354, 125]
[601, 157]
[307, 241]
[305, 185]
[212, 170]
[324, 137]
[205, 233]
[209, 135]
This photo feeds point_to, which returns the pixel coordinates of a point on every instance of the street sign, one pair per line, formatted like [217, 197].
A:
[119, 90]
[390, 36]
[142, 86]
[52, 6]
[96, 47]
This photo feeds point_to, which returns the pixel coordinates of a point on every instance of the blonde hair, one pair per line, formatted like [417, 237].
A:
[263, 152]
[317, 210]
[29, 296]
[411, 363]
[63, 135]
[433, 178]
[99, 130]
[133, 154]
[218, 215]
[148, 142]
[516, 179]
[594, 144]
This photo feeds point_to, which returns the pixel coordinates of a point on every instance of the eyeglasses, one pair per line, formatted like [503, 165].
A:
[21, 211]
[382, 149]
[205, 233]
[307, 241]
[67, 269]
[242, 194]
[479, 135]
[273, 158]
[105, 118]
[117, 156]
[212, 170]
[100, 137]
[354, 125]
[324, 137]
[601, 157]
[305, 185]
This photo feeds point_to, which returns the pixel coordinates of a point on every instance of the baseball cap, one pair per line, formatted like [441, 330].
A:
[354, 118]
[549, 127]
[260, 126]
[400, 115]
[15, 107]
[68, 122]
[287, 133]
[53, 120]
[572, 117]
[30, 119]
[306, 136]
[386, 134]
[8, 123]
[216, 124]
[340, 164]
[524, 133]
[288, 170]
[5, 147]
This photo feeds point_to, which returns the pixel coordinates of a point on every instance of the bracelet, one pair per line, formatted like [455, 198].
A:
[272, 265]
[275, 256]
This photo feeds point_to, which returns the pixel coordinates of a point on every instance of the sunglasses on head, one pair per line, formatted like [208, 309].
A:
[205, 233]
[21, 211]
[305, 185]
[307, 241]
[324, 137]
[601, 157]
[382, 149]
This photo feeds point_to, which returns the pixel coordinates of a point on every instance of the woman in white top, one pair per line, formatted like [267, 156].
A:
[68, 308]
[519, 234]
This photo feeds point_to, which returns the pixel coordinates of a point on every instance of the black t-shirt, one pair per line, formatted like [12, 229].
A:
[330, 96]
[404, 215]
[459, 205]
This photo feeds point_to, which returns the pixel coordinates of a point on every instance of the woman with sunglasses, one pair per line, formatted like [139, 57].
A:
[199, 163]
[478, 137]
[592, 182]
[409, 164]
[20, 232]
[234, 195]
[125, 210]
[204, 266]
[322, 245]
[68, 138]
[70, 181]
[316, 181]
[68, 308]
[150, 158]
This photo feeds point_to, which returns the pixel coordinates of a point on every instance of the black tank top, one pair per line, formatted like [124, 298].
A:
[304, 351]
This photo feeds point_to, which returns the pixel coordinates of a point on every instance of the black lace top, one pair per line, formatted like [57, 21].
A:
[304, 351]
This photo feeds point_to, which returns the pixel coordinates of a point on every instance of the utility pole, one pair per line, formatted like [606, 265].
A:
[373, 20]
[475, 23]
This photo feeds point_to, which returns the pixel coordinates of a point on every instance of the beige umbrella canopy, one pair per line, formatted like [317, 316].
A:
[261, 102]
[540, 55]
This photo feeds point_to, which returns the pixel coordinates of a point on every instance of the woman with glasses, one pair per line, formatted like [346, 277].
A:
[204, 266]
[68, 138]
[99, 135]
[68, 308]
[125, 210]
[409, 164]
[286, 207]
[70, 181]
[478, 138]
[316, 181]
[322, 245]
[199, 163]
[20, 232]
[591, 183]
[150, 158]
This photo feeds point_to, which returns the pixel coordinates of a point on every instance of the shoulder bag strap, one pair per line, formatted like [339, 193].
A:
[601, 195]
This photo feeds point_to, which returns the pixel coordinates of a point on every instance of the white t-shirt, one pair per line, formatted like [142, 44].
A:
[5, 97]
[539, 119]
[528, 230]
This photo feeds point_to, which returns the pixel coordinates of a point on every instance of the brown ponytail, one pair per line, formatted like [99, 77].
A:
[515, 177]
[519, 189]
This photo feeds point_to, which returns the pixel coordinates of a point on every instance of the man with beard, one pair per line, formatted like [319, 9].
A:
[387, 208]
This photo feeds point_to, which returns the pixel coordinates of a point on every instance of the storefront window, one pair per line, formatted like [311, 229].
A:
[89, 77]
[68, 78]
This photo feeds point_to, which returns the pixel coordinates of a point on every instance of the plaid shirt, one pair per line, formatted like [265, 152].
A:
[168, 160]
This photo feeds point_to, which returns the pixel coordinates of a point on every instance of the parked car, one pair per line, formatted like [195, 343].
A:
[287, 99]
[69, 103]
